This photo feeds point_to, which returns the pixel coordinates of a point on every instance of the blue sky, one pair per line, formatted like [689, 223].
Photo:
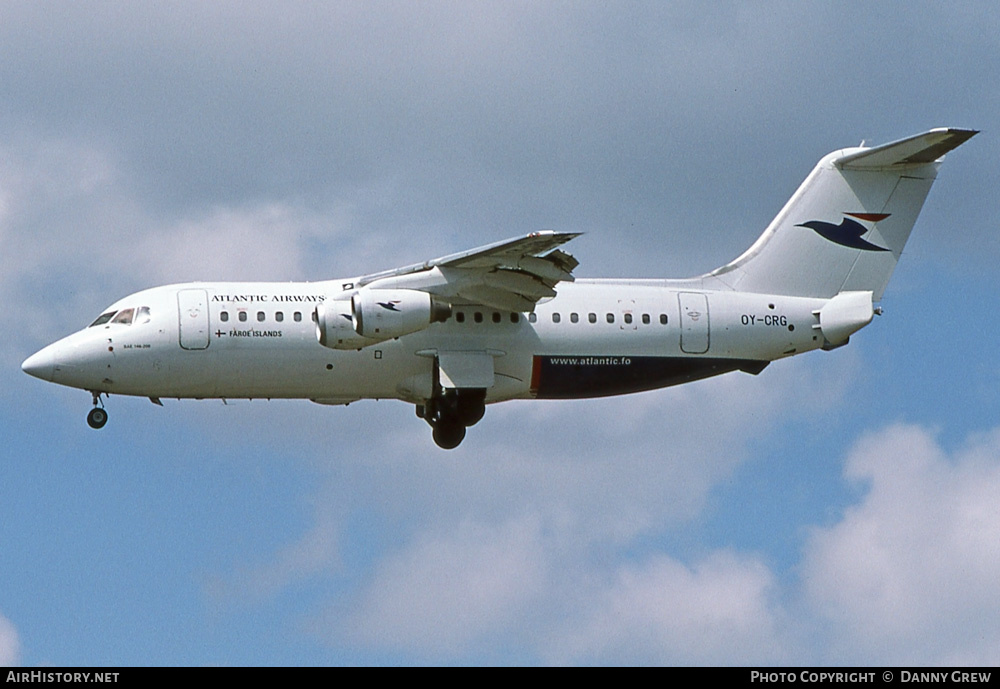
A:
[839, 508]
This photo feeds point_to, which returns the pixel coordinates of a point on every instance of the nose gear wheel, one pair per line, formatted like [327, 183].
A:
[98, 416]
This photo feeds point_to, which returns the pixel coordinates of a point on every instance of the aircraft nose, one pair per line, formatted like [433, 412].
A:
[41, 364]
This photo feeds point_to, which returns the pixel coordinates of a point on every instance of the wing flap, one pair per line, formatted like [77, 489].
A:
[499, 299]
[519, 283]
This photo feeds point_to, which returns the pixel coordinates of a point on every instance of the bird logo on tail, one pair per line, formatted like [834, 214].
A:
[848, 232]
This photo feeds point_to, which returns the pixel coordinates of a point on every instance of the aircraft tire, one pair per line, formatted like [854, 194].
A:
[448, 436]
[97, 418]
[472, 414]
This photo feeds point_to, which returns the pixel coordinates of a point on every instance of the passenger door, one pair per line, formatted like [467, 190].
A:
[192, 312]
[694, 322]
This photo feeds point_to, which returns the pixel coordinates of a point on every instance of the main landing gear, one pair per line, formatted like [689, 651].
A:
[98, 416]
[450, 413]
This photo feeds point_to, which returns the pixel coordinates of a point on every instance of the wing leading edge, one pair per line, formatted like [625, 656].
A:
[511, 275]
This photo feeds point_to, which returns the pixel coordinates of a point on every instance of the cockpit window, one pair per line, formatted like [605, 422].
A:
[103, 318]
[124, 317]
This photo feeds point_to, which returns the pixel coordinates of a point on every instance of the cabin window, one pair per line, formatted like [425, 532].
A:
[279, 316]
[574, 318]
[478, 316]
[532, 317]
[663, 319]
[515, 318]
[592, 317]
[260, 316]
[224, 316]
[556, 317]
[496, 316]
[315, 318]
[460, 316]
[297, 316]
[243, 316]
[611, 318]
[628, 318]
[645, 319]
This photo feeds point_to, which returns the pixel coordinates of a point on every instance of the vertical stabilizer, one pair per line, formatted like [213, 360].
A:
[845, 227]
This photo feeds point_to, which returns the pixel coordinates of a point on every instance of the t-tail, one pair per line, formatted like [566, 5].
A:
[845, 227]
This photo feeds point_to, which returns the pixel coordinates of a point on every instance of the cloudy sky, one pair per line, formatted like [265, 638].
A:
[840, 508]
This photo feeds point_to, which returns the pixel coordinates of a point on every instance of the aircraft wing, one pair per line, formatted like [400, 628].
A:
[511, 275]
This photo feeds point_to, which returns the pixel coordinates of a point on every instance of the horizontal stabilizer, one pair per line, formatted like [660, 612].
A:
[915, 150]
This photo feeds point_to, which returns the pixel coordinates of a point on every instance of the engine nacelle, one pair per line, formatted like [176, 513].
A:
[335, 325]
[370, 316]
[380, 314]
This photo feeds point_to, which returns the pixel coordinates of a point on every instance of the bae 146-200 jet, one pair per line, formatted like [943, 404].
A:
[509, 320]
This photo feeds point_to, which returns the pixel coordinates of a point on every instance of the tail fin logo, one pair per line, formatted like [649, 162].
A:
[848, 232]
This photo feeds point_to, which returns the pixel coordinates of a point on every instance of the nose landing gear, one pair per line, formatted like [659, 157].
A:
[98, 416]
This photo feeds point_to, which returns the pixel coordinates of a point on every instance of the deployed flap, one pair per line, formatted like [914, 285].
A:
[915, 150]
[466, 369]
[511, 275]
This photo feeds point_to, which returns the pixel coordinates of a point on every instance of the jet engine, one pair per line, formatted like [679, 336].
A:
[370, 316]
[335, 325]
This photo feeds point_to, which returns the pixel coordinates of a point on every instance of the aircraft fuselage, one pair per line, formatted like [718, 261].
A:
[258, 340]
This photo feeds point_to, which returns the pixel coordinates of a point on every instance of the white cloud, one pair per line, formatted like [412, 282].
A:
[69, 208]
[445, 590]
[259, 242]
[56, 198]
[10, 644]
[909, 576]
[721, 610]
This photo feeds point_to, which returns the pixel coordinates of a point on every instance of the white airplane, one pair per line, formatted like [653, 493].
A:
[509, 321]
